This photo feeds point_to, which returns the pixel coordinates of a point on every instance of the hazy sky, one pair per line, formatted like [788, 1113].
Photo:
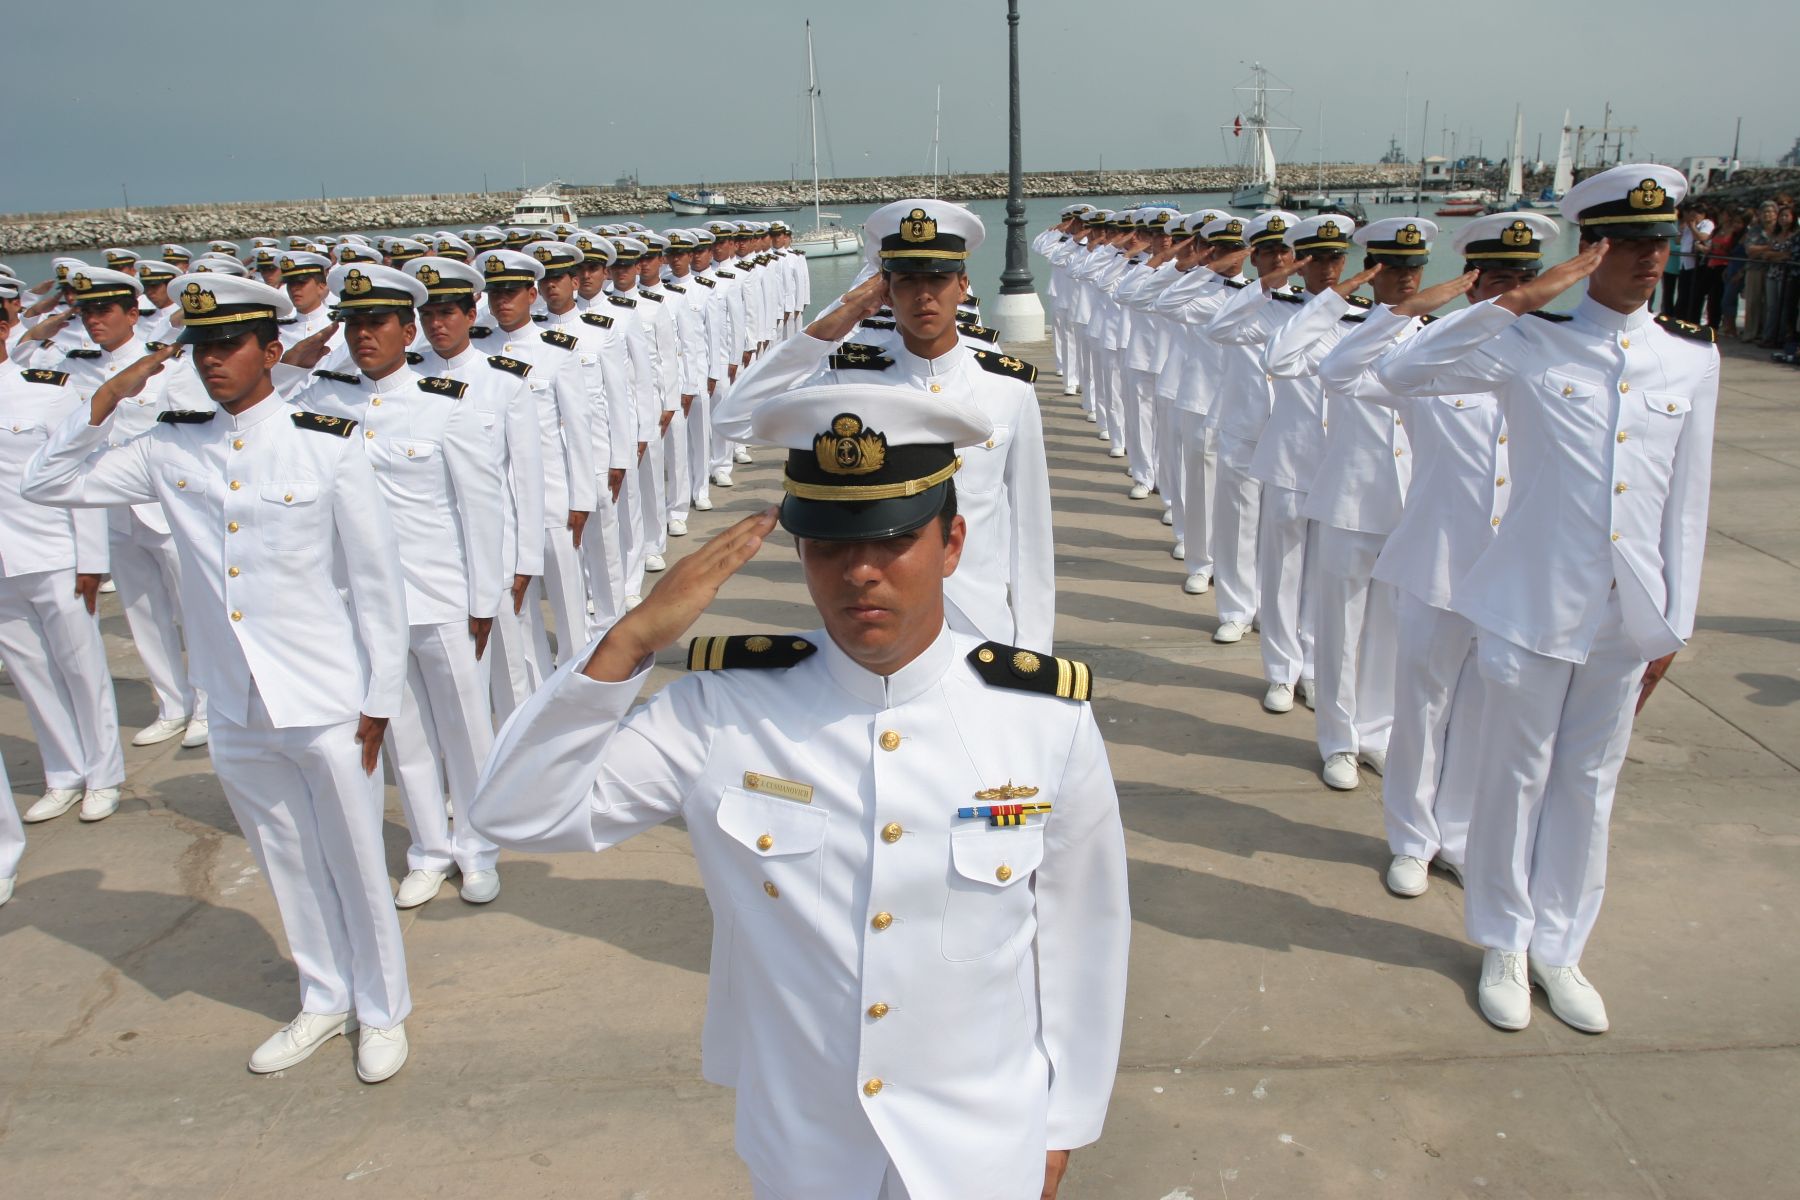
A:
[188, 101]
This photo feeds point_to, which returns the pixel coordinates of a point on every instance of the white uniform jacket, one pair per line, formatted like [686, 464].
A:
[276, 516]
[1611, 424]
[35, 537]
[565, 422]
[889, 981]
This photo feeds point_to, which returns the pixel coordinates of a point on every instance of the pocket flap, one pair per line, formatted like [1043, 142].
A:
[998, 857]
[1668, 404]
[1572, 387]
[300, 491]
[412, 449]
[185, 481]
[21, 426]
[770, 827]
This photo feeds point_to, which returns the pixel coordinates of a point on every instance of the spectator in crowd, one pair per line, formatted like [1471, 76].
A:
[1715, 266]
[1756, 269]
[1776, 252]
[1696, 239]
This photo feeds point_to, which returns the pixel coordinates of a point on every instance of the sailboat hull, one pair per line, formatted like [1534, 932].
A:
[829, 243]
[1255, 195]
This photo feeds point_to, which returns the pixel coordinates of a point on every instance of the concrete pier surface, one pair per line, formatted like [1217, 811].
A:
[1292, 1031]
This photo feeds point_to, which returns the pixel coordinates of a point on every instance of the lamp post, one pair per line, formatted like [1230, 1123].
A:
[1018, 314]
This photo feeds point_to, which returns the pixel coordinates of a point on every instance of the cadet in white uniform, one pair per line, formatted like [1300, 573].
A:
[274, 510]
[1006, 587]
[909, 836]
[441, 481]
[1594, 573]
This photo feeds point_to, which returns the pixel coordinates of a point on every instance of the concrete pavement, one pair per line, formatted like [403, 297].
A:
[1293, 1030]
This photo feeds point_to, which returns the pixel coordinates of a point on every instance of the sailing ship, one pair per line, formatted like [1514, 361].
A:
[833, 240]
[708, 203]
[1258, 190]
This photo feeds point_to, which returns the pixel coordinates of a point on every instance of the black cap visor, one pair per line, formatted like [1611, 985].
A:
[861, 520]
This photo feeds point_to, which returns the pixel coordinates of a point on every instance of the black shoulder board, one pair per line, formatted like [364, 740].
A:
[557, 337]
[320, 423]
[295, 320]
[859, 362]
[670, 287]
[1237, 283]
[703, 281]
[981, 332]
[599, 319]
[185, 416]
[886, 311]
[971, 299]
[413, 358]
[858, 348]
[153, 347]
[1287, 297]
[481, 331]
[502, 363]
[647, 294]
[727, 275]
[540, 318]
[1028, 671]
[340, 376]
[1359, 301]
[1549, 316]
[81, 354]
[623, 301]
[1006, 364]
[875, 323]
[443, 387]
[1699, 333]
[753, 650]
[1354, 318]
[39, 375]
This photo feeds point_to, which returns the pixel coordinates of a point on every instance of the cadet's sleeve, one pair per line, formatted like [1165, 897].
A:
[475, 483]
[1349, 369]
[1448, 357]
[1295, 349]
[1032, 579]
[1684, 512]
[570, 770]
[782, 368]
[371, 560]
[573, 405]
[1083, 941]
[525, 475]
[1240, 321]
[643, 386]
[621, 417]
[77, 469]
[594, 378]
[666, 361]
[1177, 300]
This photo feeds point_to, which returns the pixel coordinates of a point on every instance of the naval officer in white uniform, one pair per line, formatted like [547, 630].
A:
[1595, 571]
[909, 836]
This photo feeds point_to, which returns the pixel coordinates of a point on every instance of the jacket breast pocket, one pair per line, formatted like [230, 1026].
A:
[182, 480]
[984, 463]
[1571, 386]
[777, 849]
[290, 515]
[1666, 414]
[990, 896]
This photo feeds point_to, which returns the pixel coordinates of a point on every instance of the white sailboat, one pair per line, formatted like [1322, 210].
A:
[1258, 190]
[834, 240]
[1512, 196]
[936, 126]
[1564, 177]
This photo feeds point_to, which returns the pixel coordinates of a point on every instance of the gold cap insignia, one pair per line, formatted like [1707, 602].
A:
[849, 449]
[1647, 195]
[62, 273]
[429, 276]
[544, 254]
[918, 227]
[1329, 230]
[81, 283]
[1408, 235]
[494, 265]
[196, 300]
[1235, 228]
[1275, 225]
[264, 258]
[584, 243]
[357, 284]
[119, 260]
[1516, 234]
[347, 254]
[287, 264]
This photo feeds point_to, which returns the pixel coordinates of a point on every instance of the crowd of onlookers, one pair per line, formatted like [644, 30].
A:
[1737, 269]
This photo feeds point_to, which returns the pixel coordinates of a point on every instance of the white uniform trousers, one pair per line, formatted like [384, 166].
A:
[444, 717]
[602, 545]
[52, 649]
[566, 587]
[699, 444]
[1287, 563]
[313, 821]
[648, 531]
[1110, 375]
[518, 655]
[1093, 382]
[891, 1189]
[1428, 787]
[678, 489]
[720, 450]
[1553, 738]
[147, 573]
[1353, 645]
[1191, 504]
[1063, 342]
[1137, 408]
[1168, 456]
[1237, 510]
[12, 830]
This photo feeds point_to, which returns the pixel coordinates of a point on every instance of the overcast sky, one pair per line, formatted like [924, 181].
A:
[184, 100]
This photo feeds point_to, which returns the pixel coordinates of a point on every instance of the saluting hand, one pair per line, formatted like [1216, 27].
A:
[1357, 280]
[677, 600]
[863, 300]
[1529, 297]
[1436, 296]
[307, 352]
[127, 383]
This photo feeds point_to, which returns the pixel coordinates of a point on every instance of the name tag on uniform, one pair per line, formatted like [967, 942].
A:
[786, 789]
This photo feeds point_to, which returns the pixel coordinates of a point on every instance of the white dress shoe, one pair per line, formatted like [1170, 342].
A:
[741, 454]
[1375, 760]
[1504, 995]
[1308, 691]
[380, 1053]
[196, 735]
[52, 804]
[1074, 391]
[1178, 551]
[159, 730]
[1198, 584]
[6, 888]
[1279, 698]
[1408, 876]
[107, 586]
[677, 528]
[1168, 518]
[654, 563]
[1572, 997]
[1340, 772]
[1116, 451]
[99, 803]
[702, 504]
[721, 479]
[1139, 491]
[1228, 631]
[294, 1042]
[479, 887]
[418, 887]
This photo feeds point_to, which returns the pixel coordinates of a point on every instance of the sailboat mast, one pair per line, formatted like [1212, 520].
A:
[812, 122]
[936, 125]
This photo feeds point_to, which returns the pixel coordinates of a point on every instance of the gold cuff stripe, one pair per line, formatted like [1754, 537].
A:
[261, 314]
[715, 654]
[697, 653]
[869, 491]
[1064, 670]
[1084, 681]
[955, 254]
